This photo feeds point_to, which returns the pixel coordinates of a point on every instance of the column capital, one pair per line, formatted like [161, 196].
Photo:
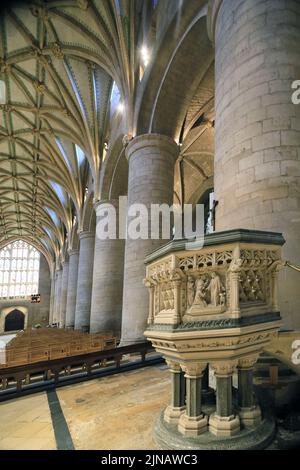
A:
[248, 362]
[164, 143]
[86, 234]
[73, 251]
[64, 262]
[194, 370]
[101, 202]
[224, 368]
[212, 14]
[173, 365]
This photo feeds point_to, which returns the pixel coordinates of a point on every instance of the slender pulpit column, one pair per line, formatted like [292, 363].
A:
[107, 291]
[85, 281]
[151, 159]
[64, 292]
[177, 406]
[249, 412]
[224, 422]
[72, 288]
[193, 421]
[257, 133]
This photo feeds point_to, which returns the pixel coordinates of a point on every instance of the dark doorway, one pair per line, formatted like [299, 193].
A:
[14, 321]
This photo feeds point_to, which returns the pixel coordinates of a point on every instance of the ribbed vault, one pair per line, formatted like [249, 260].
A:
[59, 60]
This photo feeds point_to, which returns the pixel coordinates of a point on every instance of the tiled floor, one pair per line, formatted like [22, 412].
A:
[116, 412]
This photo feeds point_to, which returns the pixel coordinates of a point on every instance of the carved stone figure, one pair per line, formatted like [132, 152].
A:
[190, 291]
[200, 295]
[215, 288]
[223, 299]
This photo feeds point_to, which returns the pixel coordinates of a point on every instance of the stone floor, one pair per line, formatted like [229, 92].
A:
[26, 424]
[116, 412]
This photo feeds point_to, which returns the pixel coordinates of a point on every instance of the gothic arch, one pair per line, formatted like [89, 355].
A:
[114, 173]
[35, 243]
[5, 312]
[184, 62]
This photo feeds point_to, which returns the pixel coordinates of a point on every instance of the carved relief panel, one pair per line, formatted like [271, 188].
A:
[166, 296]
[219, 283]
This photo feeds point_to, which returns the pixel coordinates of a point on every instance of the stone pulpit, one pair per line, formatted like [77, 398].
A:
[214, 308]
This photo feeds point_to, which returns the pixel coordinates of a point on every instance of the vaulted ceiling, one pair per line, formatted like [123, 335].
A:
[58, 60]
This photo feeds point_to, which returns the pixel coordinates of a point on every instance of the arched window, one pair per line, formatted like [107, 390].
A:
[19, 270]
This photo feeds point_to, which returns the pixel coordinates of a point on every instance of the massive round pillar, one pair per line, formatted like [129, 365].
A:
[257, 160]
[72, 288]
[85, 280]
[107, 291]
[64, 291]
[151, 160]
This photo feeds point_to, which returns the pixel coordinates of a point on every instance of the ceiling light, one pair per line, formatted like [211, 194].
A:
[145, 54]
[120, 107]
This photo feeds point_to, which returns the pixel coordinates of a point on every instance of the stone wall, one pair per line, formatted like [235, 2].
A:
[37, 313]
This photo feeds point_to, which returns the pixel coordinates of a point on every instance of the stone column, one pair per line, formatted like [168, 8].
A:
[151, 289]
[177, 406]
[107, 292]
[193, 422]
[249, 412]
[58, 280]
[257, 164]
[72, 288]
[182, 389]
[64, 292]
[223, 422]
[151, 160]
[85, 280]
[52, 299]
[55, 273]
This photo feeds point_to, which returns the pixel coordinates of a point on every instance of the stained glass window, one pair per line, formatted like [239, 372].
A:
[19, 270]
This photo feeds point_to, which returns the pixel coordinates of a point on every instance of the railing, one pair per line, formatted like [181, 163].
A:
[292, 266]
[40, 376]
[16, 297]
